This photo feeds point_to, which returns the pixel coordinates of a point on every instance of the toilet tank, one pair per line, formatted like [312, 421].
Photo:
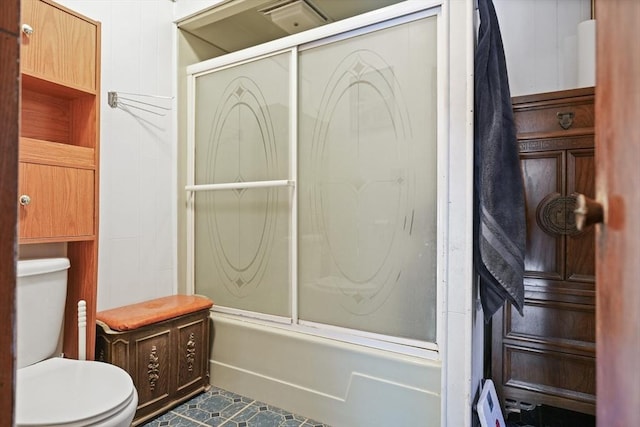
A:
[41, 289]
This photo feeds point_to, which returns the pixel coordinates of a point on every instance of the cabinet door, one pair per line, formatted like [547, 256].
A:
[152, 375]
[62, 47]
[543, 175]
[548, 355]
[193, 351]
[61, 202]
[581, 263]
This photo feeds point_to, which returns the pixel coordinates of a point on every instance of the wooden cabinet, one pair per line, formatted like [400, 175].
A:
[62, 203]
[163, 344]
[59, 146]
[62, 47]
[548, 355]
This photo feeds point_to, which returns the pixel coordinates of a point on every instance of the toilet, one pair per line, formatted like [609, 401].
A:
[54, 391]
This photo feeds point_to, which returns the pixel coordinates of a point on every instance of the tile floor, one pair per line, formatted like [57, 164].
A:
[218, 407]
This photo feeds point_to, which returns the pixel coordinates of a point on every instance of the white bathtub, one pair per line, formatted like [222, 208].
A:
[338, 383]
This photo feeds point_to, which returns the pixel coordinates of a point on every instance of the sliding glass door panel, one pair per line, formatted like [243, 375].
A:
[335, 226]
[242, 234]
[242, 122]
[367, 182]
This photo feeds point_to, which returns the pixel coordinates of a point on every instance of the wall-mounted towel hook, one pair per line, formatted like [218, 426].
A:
[116, 100]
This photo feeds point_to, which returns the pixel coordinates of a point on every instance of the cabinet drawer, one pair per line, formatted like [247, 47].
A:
[563, 115]
[61, 202]
[569, 326]
[62, 47]
[558, 374]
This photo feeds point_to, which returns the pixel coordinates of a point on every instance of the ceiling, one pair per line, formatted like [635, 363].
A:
[238, 24]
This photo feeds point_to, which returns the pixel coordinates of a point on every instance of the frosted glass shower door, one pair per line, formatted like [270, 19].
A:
[367, 177]
[242, 223]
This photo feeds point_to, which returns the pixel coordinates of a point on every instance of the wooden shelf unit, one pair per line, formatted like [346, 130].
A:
[59, 147]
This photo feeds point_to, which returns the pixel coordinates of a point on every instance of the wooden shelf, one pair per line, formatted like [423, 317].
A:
[49, 116]
[41, 83]
[66, 239]
[57, 154]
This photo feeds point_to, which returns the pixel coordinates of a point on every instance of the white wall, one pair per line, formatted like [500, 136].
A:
[137, 165]
[540, 42]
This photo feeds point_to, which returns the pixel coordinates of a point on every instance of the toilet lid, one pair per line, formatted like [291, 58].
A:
[70, 392]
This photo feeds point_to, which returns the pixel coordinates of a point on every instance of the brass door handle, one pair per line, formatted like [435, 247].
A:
[587, 212]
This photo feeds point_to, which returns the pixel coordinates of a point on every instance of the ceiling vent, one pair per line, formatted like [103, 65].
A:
[294, 16]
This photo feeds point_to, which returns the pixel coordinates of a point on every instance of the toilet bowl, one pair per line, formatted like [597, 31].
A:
[55, 391]
[68, 392]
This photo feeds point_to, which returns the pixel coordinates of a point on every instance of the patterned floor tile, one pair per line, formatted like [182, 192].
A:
[172, 420]
[269, 416]
[219, 407]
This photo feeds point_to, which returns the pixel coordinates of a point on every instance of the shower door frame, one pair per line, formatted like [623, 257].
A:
[292, 45]
[455, 297]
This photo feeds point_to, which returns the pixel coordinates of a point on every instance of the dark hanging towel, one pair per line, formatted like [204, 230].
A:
[499, 216]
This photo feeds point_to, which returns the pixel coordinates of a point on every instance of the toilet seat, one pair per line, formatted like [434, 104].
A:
[71, 393]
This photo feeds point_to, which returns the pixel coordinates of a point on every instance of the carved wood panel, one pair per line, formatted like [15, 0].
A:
[543, 176]
[191, 352]
[581, 247]
[152, 375]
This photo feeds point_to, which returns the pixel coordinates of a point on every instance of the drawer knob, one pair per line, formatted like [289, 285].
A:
[565, 120]
[27, 29]
[24, 200]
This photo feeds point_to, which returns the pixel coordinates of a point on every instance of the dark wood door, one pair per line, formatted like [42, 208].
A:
[9, 111]
[618, 240]
[547, 356]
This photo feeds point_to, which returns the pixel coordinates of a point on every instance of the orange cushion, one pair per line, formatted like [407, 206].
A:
[145, 313]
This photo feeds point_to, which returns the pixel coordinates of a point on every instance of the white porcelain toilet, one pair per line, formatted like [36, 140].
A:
[54, 391]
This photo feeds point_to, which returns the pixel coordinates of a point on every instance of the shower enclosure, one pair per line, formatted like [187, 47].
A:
[317, 194]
